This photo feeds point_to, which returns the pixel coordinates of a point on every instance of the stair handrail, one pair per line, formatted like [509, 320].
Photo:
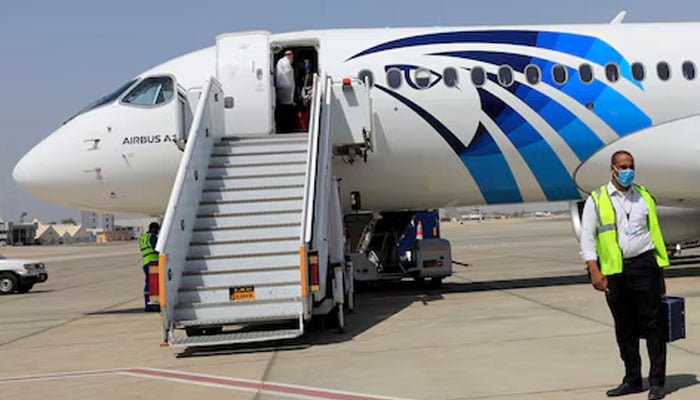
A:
[319, 178]
[181, 212]
[312, 161]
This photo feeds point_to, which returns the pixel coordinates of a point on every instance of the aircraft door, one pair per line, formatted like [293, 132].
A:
[243, 68]
[351, 116]
[185, 116]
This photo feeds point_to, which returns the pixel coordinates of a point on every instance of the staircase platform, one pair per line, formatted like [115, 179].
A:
[229, 338]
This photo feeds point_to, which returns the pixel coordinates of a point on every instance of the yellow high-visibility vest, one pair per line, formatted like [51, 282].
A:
[148, 253]
[609, 253]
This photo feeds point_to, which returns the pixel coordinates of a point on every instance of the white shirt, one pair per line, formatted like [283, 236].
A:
[284, 81]
[631, 212]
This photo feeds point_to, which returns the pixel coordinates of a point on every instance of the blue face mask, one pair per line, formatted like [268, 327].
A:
[625, 177]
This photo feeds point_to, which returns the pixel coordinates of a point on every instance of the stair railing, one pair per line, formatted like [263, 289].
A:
[180, 216]
[318, 184]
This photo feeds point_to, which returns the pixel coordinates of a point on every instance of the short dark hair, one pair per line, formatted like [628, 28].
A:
[617, 153]
[154, 226]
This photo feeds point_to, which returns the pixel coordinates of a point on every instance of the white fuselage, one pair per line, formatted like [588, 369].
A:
[439, 145]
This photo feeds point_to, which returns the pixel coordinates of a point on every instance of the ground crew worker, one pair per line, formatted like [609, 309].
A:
[149, 254]
[624, 250]
[286, 89]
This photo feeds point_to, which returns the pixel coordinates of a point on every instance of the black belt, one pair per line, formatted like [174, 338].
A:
[648, 253]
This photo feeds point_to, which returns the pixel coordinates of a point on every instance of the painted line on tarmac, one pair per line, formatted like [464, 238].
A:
[280, 389]
[222, 382]
[61, 375]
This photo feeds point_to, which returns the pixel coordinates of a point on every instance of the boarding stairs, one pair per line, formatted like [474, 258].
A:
[242, 265]
[245, 214]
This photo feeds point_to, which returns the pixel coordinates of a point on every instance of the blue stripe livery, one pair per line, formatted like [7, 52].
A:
[550, 173]
[577, 135]
[483, 159]
[490, 169]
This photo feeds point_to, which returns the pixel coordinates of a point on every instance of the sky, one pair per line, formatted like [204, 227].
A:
[58, 56]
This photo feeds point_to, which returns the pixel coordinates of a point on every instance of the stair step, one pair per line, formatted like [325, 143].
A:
[247, 221]
[233, 338]
[225, 249]
[270, 147]
[242, 310]
[264, 233]
[262, 262]
[257, 182]
[221, 294]
[262, 139]
[253, 195]
[257, 170]
[236, 321]
[257, 159]
[252, 208]
[240, 278]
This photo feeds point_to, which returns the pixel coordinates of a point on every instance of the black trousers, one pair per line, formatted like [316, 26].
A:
[285, 118]
[634, 299]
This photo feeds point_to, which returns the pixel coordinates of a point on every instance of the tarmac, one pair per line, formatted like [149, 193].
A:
[519, 322]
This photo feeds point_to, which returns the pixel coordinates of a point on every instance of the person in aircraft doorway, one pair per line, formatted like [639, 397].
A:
[149, 255]
[307, 81]
[286, 89]
[624, 250]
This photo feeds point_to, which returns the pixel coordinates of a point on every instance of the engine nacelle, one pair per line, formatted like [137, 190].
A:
[677, 224]
[667, 161]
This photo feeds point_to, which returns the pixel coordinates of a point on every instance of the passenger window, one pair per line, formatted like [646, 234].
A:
[612, 72]
[532, 74]
[663, 70]
[585, 72]
[638, 72]
[689, 70]
[393, 78]
[423, 78]
[559, 74]
[505, 76]
[478, 76]
[151, 92]
[366, 75]
[451, 77]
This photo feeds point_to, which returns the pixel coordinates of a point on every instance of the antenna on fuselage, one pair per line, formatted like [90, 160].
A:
[619, 17]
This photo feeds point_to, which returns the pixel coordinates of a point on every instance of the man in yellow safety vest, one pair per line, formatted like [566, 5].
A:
[624, 249]
[149, 255]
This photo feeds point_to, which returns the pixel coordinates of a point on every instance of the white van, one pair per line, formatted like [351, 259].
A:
[20, 275]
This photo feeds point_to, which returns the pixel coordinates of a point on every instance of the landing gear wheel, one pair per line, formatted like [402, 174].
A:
[8, 283]
[24, 288]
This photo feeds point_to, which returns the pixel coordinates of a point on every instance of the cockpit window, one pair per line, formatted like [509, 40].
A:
[151, 92]
[106, 99]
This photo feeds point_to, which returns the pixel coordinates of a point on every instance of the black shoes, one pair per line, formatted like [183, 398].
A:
[656, 393]
[626, 388]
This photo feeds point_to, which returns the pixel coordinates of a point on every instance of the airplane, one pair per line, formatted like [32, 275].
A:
[462, 116]
[418, 119]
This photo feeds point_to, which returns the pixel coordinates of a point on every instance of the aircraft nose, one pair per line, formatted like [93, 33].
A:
[27, 171]
[45, 170]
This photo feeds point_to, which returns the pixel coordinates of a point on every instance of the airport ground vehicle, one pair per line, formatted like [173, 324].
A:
[20, 275]
[393, 246]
